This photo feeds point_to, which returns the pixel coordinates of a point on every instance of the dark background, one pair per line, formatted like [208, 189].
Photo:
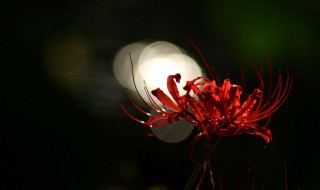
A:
[63, 128]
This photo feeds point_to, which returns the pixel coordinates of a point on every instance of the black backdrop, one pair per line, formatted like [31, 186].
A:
[62, 133]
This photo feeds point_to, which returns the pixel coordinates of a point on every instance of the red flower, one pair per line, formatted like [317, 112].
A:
[217, 110]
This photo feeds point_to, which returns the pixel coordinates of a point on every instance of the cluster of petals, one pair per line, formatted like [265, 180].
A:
[216, 110]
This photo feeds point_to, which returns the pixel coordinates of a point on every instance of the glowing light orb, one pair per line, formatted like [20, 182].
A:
[122, 67]
[152, 64]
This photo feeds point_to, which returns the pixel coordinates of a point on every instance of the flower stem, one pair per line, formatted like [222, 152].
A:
[199, 167]
[194, 175]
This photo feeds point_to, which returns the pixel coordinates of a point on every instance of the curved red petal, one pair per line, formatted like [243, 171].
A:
[172, 86]
[263, 132]
[163, 98]
[234, 94]
[249, 103]
[224, 96]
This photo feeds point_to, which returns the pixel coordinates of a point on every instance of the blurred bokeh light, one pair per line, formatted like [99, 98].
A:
[151, 65]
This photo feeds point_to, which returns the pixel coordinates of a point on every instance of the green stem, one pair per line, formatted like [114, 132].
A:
[195, 174]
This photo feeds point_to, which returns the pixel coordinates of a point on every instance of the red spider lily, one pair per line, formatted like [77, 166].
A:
[218, 110]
